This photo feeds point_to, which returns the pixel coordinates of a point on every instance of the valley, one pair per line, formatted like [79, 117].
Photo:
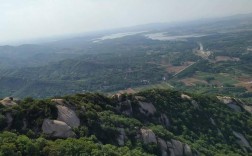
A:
[208, 61]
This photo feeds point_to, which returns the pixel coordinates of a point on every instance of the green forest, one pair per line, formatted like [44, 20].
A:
[151, 122]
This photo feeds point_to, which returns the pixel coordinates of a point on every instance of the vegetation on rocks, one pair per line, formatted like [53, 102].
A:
[194, 125]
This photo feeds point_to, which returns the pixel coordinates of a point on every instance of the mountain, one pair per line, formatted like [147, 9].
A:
[151, 122]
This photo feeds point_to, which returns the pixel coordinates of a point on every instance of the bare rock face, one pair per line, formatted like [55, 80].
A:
[68, 116]
[186, 97]
[140, 98]
[59, 101]
[9, 120]
[118, 97]
[193, 102]
[24, 124]
[248, 108]
[242, 141]
[8, 102]
[147, 108]
[148, 136]
[163, 147]
[245, 106]
[187, 150]
[177, 148]
[57, 129]
[164, 120]
[125, 107]
[170, 148]
[122, 136]
[235, 107]
[225, 99]
[230, 102]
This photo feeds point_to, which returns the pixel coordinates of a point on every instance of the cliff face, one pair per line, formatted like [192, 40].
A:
[159, 122]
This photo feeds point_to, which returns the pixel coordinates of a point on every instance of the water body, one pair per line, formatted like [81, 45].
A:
[117, 35]
[163, 37]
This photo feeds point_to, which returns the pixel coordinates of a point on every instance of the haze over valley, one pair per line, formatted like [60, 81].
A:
[138, 78]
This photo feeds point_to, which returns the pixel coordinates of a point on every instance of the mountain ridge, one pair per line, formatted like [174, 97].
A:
[158, 122]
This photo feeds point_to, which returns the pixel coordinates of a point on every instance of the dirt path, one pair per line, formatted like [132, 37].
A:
[183, 69]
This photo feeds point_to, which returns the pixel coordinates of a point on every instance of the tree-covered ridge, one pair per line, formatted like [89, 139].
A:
[152, 122]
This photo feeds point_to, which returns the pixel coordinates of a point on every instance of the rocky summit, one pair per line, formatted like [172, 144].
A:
[151, 122]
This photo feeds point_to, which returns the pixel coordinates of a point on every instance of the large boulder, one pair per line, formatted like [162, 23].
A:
[177, 148]
[170, 148]
[57, 129]
[148, 136]
[147, 108]
[187, 150]
[8, 101]
[68, 116]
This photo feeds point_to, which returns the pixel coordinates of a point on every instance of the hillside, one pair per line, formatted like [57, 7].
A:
[151, 122]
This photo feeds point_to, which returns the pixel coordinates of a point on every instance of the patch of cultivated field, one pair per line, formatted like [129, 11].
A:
[193, 81]
[226, 58]
[245, 82]
[217, 79]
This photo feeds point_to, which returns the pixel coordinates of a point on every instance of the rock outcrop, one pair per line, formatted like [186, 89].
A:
[147, 108]
[186, 97]
[242, 141]
[9, 120]
[193, 102]
[125, 107]
[236, 104]
[60, 101]
[122, 136]
[164, 120]
[245, 106]
[24, 124]
[177, 148]
[8, 102]
[68, 116]
[148, 136]
[230, 102]
[248, 108]
[57, 129]
[163, 146]
[187, 150]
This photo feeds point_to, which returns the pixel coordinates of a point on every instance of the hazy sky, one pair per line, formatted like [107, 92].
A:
[24, 19]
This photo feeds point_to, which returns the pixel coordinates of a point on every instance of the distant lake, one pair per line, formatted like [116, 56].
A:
[164, 37]
[117, 35]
